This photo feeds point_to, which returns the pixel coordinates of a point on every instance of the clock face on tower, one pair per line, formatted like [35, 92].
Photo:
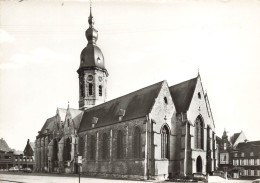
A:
[90, 78]
[100, 78]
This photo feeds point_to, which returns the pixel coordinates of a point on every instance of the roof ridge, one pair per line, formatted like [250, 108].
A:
[131, 93]
[182, 94]
[157, 93]
[51, 117]
[183, 82]
[75, 109]
[61, 108]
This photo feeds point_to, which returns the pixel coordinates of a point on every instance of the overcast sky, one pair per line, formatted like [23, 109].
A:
[143, 42]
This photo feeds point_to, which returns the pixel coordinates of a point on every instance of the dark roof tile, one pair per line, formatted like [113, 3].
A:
[136, 104]
[182, 94]
[49, 124]
[4, 146]
[234, 137]
[248, 144]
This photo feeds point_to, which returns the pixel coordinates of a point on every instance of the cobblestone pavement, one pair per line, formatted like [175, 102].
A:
[47, 178]
[38, 178]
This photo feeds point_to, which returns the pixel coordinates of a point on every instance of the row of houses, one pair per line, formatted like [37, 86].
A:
[19, 159]
[236, 155]
[239, 157]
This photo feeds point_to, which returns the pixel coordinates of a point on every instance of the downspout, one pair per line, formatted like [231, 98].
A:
[186, 146]
[147, 153]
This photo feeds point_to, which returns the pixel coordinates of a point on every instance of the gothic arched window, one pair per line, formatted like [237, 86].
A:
[105, 147]
[120, 148]
[100, 90]
[137, 143]
[55, 150]
[66, 150]
[90, 89]
[165, 141]
[199, 133]
[92, 154]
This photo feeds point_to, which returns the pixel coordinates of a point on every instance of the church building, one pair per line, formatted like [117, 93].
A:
[156, 132]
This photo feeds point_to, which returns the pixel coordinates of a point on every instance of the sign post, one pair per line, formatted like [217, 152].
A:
[79, 163]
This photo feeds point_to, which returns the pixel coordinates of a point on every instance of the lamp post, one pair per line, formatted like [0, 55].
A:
[79, 158]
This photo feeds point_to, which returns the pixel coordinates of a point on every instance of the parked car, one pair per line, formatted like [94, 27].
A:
[13, 169]
[256, 181]
[27, 170]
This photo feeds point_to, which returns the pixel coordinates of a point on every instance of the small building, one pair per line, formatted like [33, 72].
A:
[6, 156]
[18, 159]
[226, 147]
[28, 155]
[24, 159]
[246, 160]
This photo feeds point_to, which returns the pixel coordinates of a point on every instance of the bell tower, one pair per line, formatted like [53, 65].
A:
[92, 72]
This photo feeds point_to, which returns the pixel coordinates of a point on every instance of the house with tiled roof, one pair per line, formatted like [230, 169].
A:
[4, 146]
[246, 160]
[237, 138]
[6, 155]
[156, 132]
[226, 148]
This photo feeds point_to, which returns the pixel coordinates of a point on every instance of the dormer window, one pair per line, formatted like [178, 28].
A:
[199, 95]
[121, 114]
[165, 100]
[99, 60]
[94, 121]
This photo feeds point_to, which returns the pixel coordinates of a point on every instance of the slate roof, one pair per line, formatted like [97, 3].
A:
[48, 124]
[76, 116]
[17, 152]
[74, 112]
[77, 120]
[4, 146]
[136, 104]
[32, 144]
[234, 137]
[249, 143]
[62, 113]
[218, 139]
[182, 94]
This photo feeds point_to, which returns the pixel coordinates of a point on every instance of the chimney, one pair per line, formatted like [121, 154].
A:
[94, 121]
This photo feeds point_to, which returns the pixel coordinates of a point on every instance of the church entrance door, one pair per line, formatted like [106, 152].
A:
[199, 164]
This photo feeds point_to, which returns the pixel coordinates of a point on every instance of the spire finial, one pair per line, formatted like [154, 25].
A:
[90, 18]
[68, 104]
[198, 71]
[90, 5]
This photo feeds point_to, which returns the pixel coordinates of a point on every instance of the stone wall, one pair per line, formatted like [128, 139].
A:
[112, 166]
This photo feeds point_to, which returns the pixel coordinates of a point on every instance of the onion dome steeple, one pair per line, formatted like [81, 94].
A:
[92, 71]
[92, 56]
[91, 32]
